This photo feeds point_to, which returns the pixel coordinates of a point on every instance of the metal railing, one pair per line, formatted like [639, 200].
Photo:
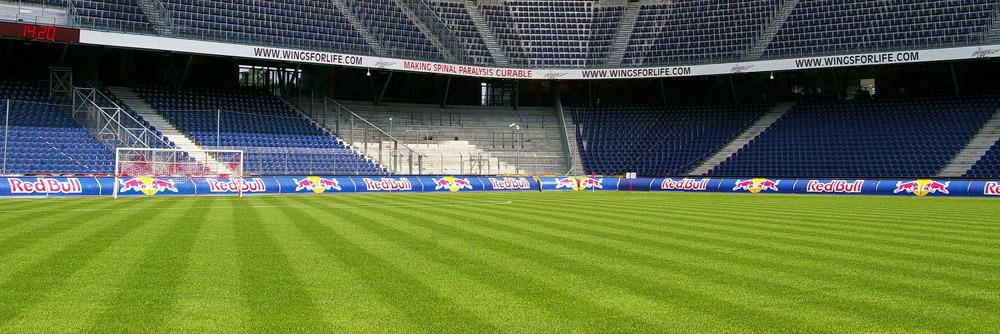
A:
[359, 133]
[110, 123]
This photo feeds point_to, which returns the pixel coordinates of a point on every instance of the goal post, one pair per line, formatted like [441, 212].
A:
[136, 163]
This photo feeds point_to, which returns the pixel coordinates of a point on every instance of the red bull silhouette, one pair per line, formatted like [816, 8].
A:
[316, 184]
[147, 185]
[922, 187]
[757, 185]
[452, 184]
[568, 183]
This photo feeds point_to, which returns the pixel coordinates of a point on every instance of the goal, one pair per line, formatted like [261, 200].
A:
[132, 163]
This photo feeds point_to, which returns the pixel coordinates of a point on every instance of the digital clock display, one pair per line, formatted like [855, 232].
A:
[36, 32]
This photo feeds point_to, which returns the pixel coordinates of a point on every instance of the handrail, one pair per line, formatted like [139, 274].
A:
[91, 105]
[370, 124]
[145, 129]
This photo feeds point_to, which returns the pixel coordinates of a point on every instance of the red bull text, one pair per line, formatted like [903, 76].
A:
[684, 184]
[835, 187]
[254, 185]
[388, 184]
[509, 183]
[992, 189]
[45, 186]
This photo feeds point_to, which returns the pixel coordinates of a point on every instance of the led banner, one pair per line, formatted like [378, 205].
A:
[757, 186]
[984, 188]
[49, 186]
[450, 184]
[154, 186]
[388, 184]
[923, 187]
[579, 183]
[497, 183]
[838, 186]
[685, 184]
[246, 186]
[314, 185]
[133, 41]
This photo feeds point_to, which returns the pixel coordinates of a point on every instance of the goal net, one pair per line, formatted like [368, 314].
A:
[132, 163]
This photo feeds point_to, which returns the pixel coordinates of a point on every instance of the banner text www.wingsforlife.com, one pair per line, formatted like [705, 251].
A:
[308, 56]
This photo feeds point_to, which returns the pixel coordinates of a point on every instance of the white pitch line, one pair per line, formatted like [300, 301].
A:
[269, 206]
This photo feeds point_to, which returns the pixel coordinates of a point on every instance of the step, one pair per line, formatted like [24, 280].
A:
[977, 147]
[747, 136]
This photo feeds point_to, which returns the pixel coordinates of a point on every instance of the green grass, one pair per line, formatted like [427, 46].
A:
[501, 262]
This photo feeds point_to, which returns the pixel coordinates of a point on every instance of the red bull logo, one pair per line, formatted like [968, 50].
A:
[567, 183]
[758, 185]
[452, 184]
[45, 186]
[509, 183]
[992, 189]
[835, 187]
[922, 187]
[388, 184]
[254, 185]
[684, 184]
[316, 184]
[147, 185]
[587, 182]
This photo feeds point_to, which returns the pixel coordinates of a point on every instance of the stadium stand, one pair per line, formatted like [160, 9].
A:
[656, 141]
[119, 15]
[394, 30]
[988, 166]
[455, 16]
[557, 33]
[830, 26]
[298, 23]
[276, 138]
[43, 138]
[696, 31]
[905, 138]
[472, 139]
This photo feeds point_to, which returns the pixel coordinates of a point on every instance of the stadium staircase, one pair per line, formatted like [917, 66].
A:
[484, 133]
[169, 131]
[624, 34]
[744, 138]
[974, 150]
[358, 25]
[993, 35]
[777, 21]
[449, 55]
[158, 16]
[486, 31]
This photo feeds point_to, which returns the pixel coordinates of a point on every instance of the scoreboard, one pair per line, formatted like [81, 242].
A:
[39, 32]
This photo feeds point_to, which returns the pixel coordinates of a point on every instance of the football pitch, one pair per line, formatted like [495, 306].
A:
[501, 262]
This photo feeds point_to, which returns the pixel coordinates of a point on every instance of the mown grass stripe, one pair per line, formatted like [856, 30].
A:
[557, 233]
[787, 226]
[364, 256]
[34, 228]
[149, 290]
[275, 296]
[864, 219]
[972, 295]
[72, 304]
[210, 296]
[605, 311]
[30, 285]
[698, 293]
[343, 298]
